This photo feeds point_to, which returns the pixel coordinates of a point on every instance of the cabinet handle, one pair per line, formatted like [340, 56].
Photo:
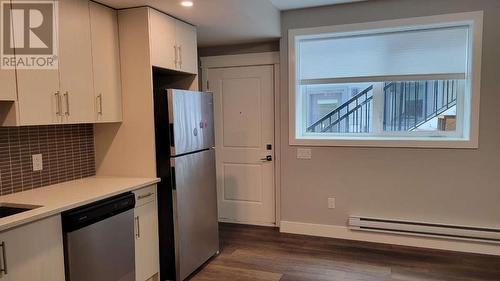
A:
[175, 55]
[138, 234]
[99, 98]
[180, 56]
[66, 96]
[58, 103]
[144, 195]
[4, 259]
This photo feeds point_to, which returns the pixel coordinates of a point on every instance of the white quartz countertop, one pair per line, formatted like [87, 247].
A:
[61, 197]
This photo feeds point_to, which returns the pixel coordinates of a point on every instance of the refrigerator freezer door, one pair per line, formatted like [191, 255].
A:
[191, 120]
[195, 211]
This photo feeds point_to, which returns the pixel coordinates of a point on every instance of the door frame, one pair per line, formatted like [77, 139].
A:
[255, 59]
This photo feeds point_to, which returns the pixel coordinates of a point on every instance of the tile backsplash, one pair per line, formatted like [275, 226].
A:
[67, 154]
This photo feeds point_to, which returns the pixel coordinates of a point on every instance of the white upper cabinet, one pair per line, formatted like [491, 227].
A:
[39, 99]
[187, 50]
[173, 43]
[68, 93]
[106, 63]
[8, 91]
[162, 40]
[75, 65]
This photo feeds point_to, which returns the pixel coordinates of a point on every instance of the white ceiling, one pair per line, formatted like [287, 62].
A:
[225, 22]
[297, 4]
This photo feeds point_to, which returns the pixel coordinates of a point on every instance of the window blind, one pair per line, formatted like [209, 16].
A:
[439, 53]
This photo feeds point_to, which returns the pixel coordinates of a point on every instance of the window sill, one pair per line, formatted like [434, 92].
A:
[414, 142]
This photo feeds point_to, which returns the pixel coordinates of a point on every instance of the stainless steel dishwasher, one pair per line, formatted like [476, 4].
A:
[99, 240]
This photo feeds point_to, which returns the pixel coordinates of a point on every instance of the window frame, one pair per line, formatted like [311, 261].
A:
[468, 138]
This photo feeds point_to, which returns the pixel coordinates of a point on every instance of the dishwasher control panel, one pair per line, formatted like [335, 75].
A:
[89, 214]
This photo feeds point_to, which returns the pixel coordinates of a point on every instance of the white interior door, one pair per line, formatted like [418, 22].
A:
[244, 127]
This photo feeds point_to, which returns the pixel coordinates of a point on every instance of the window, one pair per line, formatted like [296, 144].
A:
[411, 82]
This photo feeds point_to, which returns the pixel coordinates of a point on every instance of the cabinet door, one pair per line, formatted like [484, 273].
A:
[34, 252]
[162, 40]
[38, 90]
[146, 242]
[38, 97]
[187, 47]
[106, 63]
[75, 64]
[8, 89]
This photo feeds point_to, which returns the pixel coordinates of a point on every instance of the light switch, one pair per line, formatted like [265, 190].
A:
[304, 153]
[37, 162]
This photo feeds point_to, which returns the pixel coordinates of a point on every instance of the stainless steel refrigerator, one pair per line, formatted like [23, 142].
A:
[187, 191]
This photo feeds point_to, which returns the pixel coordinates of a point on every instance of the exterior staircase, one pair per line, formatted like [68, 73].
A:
[407, 106]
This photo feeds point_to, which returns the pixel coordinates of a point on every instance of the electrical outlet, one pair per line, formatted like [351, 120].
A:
[37, 162]
[331, 203]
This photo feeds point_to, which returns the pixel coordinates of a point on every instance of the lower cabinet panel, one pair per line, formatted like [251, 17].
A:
[146, 237]
[33, 252]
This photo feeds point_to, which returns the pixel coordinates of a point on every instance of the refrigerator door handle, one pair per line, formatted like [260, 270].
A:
[172, 178]
[172, 137]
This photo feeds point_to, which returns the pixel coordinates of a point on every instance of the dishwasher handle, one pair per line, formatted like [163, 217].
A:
[84, 216]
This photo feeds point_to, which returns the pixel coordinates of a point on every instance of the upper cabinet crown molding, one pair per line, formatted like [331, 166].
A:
[173, 43]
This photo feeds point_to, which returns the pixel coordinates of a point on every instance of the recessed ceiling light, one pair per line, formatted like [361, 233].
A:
[187, 3]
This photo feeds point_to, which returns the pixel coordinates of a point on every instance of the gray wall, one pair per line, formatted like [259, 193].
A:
[441, 185]
[237, 49]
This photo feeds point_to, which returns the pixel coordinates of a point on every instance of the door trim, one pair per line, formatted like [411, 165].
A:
[255, 59]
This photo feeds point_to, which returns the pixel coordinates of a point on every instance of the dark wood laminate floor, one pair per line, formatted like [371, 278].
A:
[260, 253]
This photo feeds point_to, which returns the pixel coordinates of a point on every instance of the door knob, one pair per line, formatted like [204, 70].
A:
[268, 158]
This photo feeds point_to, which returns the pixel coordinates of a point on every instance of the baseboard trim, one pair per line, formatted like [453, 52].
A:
[342, 232]
[247, 222]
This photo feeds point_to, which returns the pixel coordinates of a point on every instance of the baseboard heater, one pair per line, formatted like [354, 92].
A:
[479, 234]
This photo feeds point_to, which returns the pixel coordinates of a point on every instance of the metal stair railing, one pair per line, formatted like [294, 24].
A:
[346, 119]
[410, 104]
[407, 106]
